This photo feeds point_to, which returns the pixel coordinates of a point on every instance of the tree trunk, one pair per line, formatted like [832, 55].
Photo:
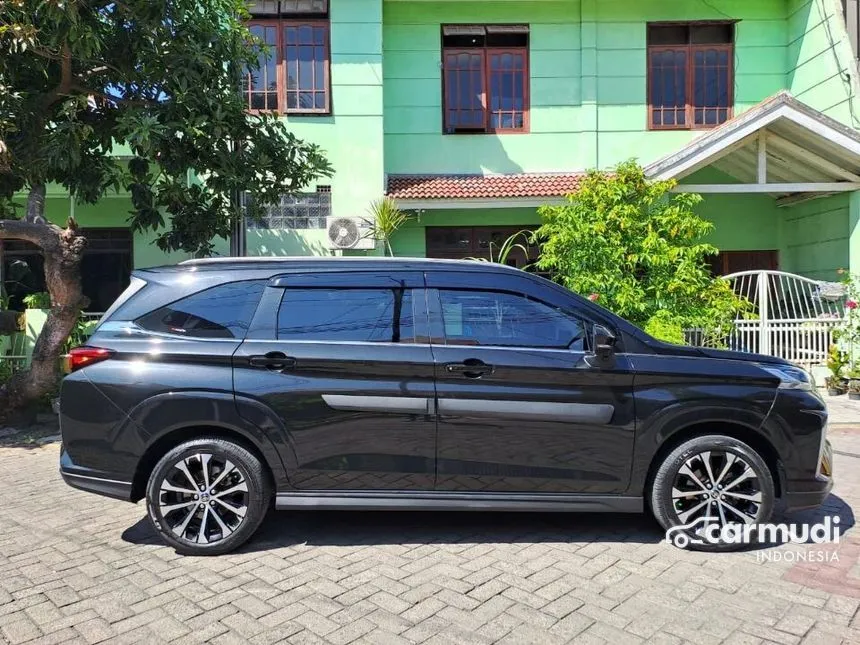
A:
[62, 250]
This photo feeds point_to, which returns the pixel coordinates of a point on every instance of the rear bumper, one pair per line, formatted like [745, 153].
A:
[800, 495]
[93, 481]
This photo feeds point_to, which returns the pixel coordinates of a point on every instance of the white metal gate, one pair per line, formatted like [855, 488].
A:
[793, 317]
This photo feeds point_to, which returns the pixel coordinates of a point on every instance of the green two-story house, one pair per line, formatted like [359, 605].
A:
[473, 113]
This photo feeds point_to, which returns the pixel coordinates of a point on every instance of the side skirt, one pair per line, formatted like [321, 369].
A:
[452, 501]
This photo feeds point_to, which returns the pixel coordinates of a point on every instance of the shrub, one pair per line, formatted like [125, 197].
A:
[664, 326]
[41, 300]
[639, 246]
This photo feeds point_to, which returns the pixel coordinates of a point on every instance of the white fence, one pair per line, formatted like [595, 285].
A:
[792, 317]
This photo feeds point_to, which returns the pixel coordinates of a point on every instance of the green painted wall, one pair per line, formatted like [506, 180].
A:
[352, 135]
[111, 212]
[588, 96]
[414, 142]
[588, 81]
[351, 138]
[741, 223]
[410, 240]
[621, 70]
[816, 237]
[820, 68]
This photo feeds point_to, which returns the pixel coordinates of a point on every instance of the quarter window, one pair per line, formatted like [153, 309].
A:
[507, 320]
[294, 72]
[485, 78]
[352, 315]
[690, 75]
[224, 311]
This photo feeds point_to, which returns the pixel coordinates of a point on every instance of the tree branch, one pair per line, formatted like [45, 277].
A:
[45, 236]
[66, 78]
[113, 99]
[36, 205]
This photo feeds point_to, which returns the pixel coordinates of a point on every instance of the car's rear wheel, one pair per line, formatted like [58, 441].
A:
[712, 481]
[207, 496]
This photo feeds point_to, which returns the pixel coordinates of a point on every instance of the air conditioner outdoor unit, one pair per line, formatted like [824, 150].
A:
[349, 233]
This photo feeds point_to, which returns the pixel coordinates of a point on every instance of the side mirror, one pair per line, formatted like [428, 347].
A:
[603, 343]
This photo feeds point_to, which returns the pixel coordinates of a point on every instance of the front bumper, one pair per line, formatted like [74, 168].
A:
[93, 481]
[800, 495]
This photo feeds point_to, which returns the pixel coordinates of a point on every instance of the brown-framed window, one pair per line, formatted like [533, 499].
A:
[690, 75]
[295, 71]
[261, 86]
[485, 78]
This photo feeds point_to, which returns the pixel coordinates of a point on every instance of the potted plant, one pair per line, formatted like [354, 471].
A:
[854, 389]
[834, 386]
[836, 362]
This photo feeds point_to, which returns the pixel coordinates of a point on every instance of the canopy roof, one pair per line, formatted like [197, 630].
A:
[781, 147]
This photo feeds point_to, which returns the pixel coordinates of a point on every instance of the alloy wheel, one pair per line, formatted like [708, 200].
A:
[719, 486]
[203, 498]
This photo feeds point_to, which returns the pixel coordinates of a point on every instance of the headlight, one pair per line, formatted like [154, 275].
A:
[790, 377]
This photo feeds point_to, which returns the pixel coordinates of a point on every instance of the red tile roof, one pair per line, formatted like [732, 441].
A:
[482, 186]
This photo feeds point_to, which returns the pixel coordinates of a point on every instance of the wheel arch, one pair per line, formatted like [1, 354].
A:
[169, 440]
[739, 431]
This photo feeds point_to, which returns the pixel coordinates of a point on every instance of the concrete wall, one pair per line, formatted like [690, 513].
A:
[588, 73]
[410, 240]
[414, 142]
[588, 109]
[816, 237]
[352, 135]
[820, 67]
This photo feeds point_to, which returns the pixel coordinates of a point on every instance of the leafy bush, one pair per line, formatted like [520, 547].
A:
[664, 326]
[639, 246]
[41, 300]
[81, 333]
[837, 360]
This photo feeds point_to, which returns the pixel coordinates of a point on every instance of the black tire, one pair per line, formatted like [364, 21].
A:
[191, 512]
[666, 509]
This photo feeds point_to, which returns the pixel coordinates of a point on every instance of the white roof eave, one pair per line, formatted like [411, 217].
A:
[725, 139]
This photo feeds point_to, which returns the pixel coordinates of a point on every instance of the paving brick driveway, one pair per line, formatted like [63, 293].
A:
[78, 568]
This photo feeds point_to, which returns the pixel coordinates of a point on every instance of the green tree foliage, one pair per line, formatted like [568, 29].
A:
[137, 95]
[637, 247]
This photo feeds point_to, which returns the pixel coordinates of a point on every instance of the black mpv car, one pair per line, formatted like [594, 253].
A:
[217, 388]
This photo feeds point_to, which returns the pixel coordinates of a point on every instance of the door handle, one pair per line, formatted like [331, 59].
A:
[275, 361]
[471, 368]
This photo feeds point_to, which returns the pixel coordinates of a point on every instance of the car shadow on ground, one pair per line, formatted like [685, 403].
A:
[365, 528]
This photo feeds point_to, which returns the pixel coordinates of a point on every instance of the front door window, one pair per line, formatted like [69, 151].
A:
[495, 318]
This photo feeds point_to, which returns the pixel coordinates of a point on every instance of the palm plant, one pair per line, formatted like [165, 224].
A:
[386, 218]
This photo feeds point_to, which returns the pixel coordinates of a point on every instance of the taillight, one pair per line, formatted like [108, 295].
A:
[82, 356]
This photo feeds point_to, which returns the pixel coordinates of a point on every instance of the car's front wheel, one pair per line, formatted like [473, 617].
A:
[708, 490]
[207, 496]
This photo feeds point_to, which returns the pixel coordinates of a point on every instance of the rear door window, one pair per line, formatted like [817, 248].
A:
[224, 311]
[347, 315]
